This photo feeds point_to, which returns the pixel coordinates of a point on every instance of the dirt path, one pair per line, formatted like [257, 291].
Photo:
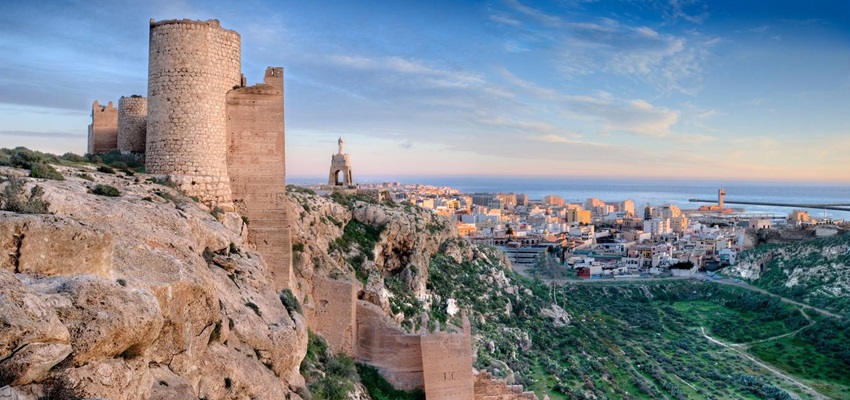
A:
[730, 282]
[775, 371]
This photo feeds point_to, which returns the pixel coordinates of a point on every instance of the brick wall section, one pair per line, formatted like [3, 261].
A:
[382, 344]
[487, 388]
[103, 131]
[447, 365]
[255, 164]
[132, 123]
[334, 314]
[192, 66]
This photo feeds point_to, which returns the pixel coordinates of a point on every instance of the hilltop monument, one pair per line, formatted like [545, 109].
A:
[340, 173]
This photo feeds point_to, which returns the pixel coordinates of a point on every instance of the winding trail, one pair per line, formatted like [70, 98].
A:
[775, 371]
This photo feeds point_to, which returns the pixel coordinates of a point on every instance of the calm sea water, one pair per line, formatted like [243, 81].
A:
[655, 192]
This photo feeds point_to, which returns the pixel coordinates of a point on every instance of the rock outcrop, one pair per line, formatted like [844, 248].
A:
[146, 295]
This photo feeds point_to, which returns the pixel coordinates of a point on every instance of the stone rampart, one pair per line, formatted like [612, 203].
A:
[382, 344]
[132, 123]
[487, 388]
[103, 131]
[333, 314]
[255, 165]
[192, 66]
[447, 365]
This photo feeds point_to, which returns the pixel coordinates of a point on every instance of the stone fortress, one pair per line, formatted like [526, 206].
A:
[212, 136]
[207, 132]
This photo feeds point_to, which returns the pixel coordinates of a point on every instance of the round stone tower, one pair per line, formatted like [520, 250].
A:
[132, 123]
[193, 64]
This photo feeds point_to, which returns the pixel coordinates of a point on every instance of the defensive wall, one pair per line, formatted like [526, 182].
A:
[103, 131]
[333, 314]
[487, 388]
[192, 66]
[447, 364]
[132, 123]
[255, 165]
[396, 353]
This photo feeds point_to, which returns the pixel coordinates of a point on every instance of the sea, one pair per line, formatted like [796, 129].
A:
[646, 191]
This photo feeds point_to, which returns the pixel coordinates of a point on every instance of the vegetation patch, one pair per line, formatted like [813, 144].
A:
[328, 376]
[380, 389]
[106, 190]
[45, 171]
[15, 199]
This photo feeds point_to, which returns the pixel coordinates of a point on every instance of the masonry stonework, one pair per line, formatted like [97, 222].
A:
[447, 364]
[103, 131]
[394, 352]
[192, 66]
[487, 388]
[255, 165]
[132, 123]
[334, 314]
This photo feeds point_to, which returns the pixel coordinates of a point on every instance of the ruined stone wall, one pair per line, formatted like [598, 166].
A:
[192, 66]
[487, 388]
[255, 164]
[334, 314]
[447, 365]
[103, 131]
[132, 123]
[382, 344]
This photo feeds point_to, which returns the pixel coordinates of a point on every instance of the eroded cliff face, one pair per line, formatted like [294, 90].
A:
[349, 238]
[815, 271]
[146, 295]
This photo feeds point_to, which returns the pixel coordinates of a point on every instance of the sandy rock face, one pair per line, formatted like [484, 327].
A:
[47, 245]
[32, 338]
[142, 296]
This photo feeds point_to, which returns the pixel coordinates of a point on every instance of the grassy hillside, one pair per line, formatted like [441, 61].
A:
[616, 340]
[640, 340]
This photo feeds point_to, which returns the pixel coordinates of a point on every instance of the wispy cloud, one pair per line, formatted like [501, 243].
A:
[614, 115]
[540, 16]
[432, 76]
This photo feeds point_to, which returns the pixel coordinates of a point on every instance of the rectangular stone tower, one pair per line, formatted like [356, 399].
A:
[103, 131]
[255, 164]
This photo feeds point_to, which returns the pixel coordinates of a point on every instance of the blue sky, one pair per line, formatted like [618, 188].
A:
[672, 88]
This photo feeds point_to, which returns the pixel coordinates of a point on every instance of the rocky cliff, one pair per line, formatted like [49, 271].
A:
[144, 295]
[151, 295]
[816, 271]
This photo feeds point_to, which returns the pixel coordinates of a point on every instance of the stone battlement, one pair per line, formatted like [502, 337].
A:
[213, 23]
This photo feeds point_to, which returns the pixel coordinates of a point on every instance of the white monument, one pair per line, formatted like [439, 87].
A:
[340, 173]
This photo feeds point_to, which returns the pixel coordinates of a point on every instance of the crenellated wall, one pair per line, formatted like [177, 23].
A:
[132, 123]
[192, 66]
[103, 131]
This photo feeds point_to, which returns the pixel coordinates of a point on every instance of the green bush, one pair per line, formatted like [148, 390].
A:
[105, 169]
[106, 190]
[45, 171]
[13, 198]
[85, 176]
[290, 302]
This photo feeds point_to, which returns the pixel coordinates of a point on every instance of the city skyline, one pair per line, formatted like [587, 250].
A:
[673, 89]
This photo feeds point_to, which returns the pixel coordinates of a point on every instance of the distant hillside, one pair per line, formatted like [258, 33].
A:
[590, 340]
[815, 272]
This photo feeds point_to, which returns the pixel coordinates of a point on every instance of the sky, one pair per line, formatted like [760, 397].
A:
[687, 89]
